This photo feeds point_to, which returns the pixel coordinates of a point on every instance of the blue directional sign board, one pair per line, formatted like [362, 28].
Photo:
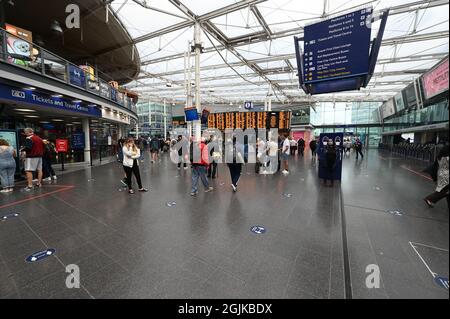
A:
[38, 256]
[337, 48]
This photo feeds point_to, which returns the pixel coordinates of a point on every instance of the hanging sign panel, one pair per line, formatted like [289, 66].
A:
[337, 48]
[435, 81]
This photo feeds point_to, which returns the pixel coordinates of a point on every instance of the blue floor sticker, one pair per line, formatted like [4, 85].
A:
[395, 213]
[10, 216]
[441, 281]
[40, 255]
[258, 230]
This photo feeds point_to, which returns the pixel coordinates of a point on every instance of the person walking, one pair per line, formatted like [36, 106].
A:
[154, 148]
[313, 147]
[214, 153]
[34, 148]
[183, 151]
[49, 153]
[273, 156]
[442, 188]
[358, 148]
[200, 163]
[301, 147]
[131, 155]
[330, 162]
[285, 151]
[235, 159]
[294, 146]
[7, 166]
[261, 157]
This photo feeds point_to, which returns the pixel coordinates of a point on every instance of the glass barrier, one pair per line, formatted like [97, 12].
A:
[52, 65]
[22, 53]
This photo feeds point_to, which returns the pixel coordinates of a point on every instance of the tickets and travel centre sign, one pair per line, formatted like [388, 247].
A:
[337, 48]
[14, 94]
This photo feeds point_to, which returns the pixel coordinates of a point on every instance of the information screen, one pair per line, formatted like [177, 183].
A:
[399, 103]
[436, 81]
[337, 48]
[250, 120]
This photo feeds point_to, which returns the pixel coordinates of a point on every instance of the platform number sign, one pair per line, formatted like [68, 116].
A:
[249, 105]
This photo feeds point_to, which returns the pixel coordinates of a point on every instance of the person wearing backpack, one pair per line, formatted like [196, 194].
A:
[49, 153]
[200, 163]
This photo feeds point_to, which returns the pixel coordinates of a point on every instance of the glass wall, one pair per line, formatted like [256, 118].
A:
[433, 114]
[151, 118]
[353, 118]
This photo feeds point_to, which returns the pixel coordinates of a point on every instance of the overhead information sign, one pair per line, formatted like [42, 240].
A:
[337, 48]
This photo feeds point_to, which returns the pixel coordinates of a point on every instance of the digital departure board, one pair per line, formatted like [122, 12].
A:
[338, 47]
[250, 120]
[240, 121]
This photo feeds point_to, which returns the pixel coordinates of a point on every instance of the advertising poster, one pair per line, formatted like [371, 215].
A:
[78, 141]
[399, 103]
[436, 81]
[388, 108]
[19, 48]
[77, 76]
[105, 90]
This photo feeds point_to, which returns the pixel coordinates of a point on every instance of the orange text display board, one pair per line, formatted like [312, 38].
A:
[250, 120]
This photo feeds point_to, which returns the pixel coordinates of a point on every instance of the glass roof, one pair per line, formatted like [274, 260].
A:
[258, 35]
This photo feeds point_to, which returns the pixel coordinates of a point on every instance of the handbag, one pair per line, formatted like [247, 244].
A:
[432, 170]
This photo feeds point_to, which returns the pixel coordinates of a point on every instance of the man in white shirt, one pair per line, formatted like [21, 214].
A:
[285, 152]
[273, 155]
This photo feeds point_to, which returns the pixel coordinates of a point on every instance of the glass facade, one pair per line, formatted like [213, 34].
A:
[354, 118]
[433, 114]
[151, 118]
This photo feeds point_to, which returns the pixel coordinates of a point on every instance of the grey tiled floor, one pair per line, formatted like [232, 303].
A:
[138, 247]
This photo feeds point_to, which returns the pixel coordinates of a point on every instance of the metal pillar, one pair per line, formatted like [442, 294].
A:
[269, 104]
[87, 141]
[189, 86]
[165, 120]
[198, 46]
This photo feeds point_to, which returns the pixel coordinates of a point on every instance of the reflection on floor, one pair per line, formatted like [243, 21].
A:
[166, 244]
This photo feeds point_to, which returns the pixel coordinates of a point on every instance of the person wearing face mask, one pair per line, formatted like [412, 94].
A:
[131, 155]
[330, 161]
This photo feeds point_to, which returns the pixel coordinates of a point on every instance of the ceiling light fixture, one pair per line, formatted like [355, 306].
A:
[24, 110]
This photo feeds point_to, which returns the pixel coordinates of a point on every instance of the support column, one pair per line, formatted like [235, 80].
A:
[198, 45]
[165, 120]
[269, 105]
[87, 141]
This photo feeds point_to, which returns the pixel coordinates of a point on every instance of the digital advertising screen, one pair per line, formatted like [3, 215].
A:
[435, 81]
